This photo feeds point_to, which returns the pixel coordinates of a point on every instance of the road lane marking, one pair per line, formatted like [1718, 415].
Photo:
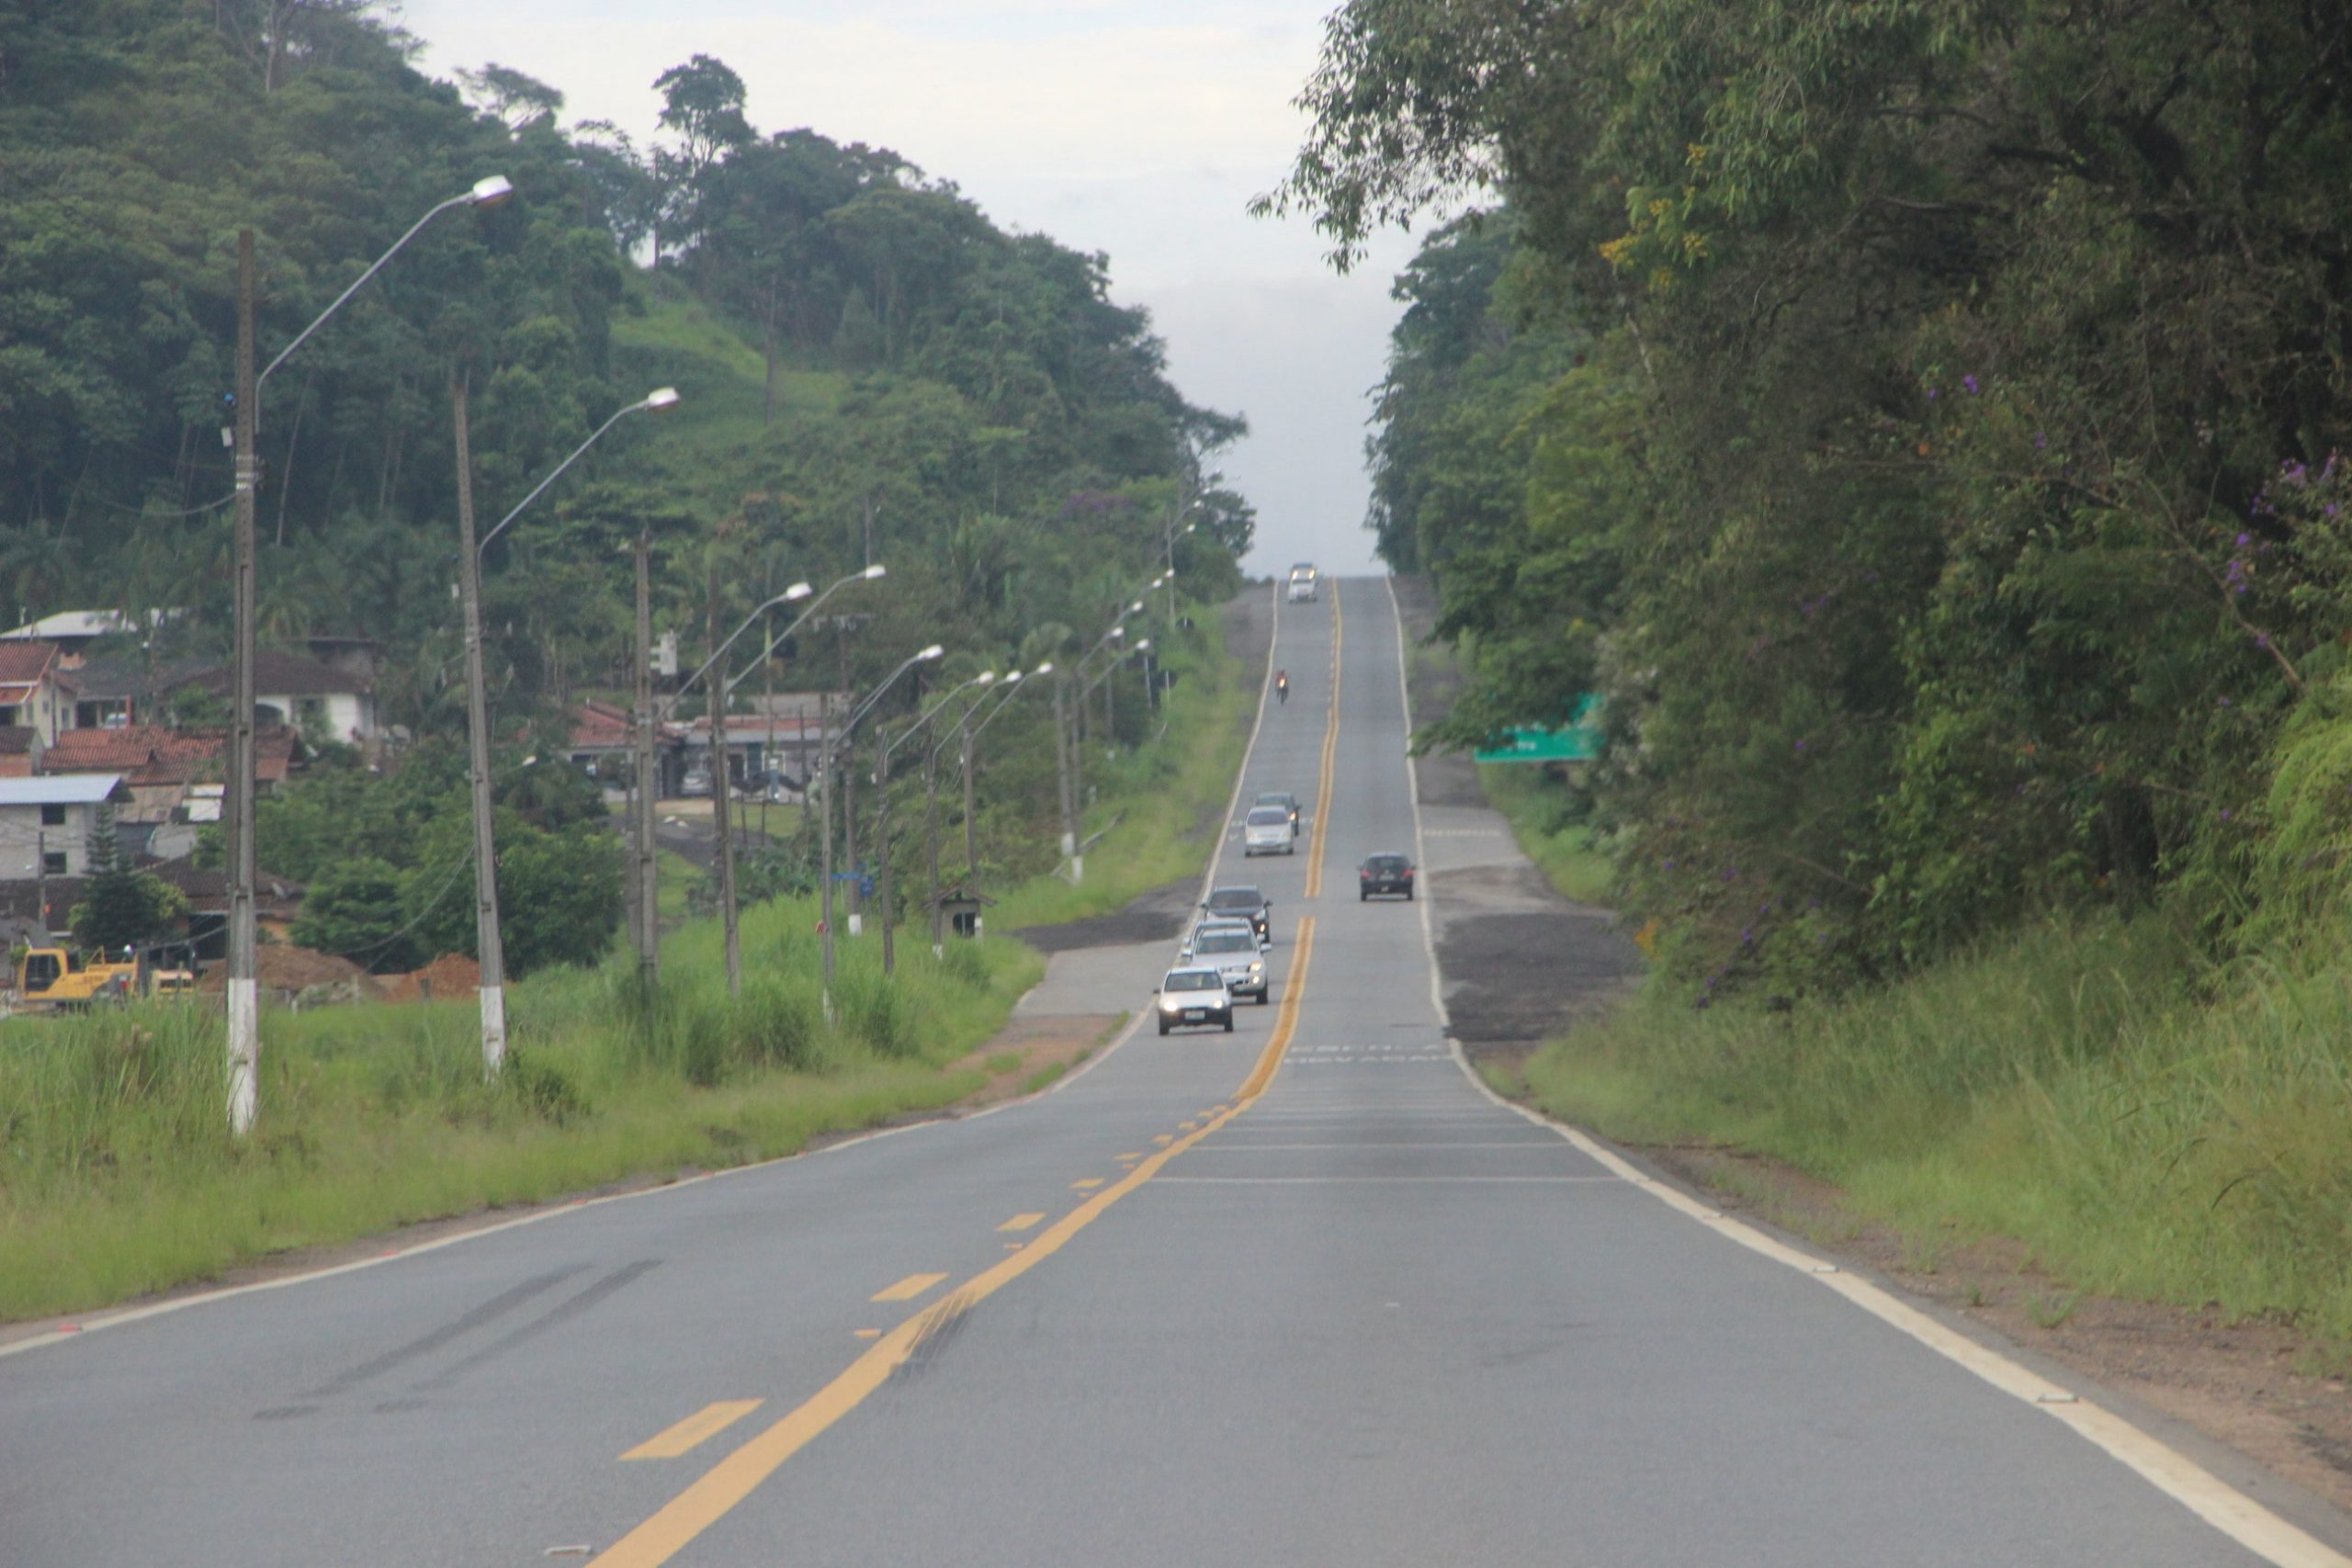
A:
[1135, 1155]
[1330, 753]
[1343, 1180]
[699, 1427]
[1087, 1184]
[1546, 1145]
[2219, 1505]
[719, 1489]
[907, 1289]
[1022, 1223]
[1163, 1139]
[869, 1334]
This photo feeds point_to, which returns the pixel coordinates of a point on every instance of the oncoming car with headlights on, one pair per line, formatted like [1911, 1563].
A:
[1231, 947]
[1194, 996]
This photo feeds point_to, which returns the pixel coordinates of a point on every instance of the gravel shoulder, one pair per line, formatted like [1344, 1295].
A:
[1520, 964]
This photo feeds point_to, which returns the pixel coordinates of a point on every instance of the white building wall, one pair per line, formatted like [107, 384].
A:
[23, 838]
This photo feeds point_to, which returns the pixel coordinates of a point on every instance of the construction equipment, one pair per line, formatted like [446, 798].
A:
[51, 980]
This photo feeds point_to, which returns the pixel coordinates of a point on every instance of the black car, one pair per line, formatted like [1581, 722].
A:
[1384, 873]
[1243, 904]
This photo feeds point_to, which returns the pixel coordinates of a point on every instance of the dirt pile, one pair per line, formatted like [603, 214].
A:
[452, 975]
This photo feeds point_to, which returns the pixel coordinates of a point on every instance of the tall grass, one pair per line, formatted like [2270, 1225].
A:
[118, 1176]
[1543, 816]
[2149, 1127]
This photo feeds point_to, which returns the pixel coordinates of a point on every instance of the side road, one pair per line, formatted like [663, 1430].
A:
[1520, 964]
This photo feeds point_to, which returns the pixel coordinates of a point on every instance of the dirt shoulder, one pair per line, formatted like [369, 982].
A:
[1520, 963]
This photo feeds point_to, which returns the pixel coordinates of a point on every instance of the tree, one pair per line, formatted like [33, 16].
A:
[355, 913]
[122, 908]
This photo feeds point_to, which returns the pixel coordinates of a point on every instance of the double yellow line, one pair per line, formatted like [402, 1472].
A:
[1330, 760]
[734, 1478]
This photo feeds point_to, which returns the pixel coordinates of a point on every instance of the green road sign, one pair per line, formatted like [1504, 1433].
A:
[1576, 743]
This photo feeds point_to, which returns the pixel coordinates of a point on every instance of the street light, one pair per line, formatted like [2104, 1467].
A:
[825, 916]
[931, 815]
[721, 688]
[244, 992]
[488, 945]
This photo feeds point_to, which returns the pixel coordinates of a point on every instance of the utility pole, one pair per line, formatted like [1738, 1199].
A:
[486, 939]
[931, 838]
[972, 851]
[824, 782]
[244, 992]
[648, 930]
[1065, 765]
[722, 764]
[882, 831]
[40, 884]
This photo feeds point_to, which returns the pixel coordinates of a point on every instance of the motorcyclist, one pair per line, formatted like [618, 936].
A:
[1282, 685]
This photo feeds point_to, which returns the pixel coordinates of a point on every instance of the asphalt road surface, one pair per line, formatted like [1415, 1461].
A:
[1300, 1294]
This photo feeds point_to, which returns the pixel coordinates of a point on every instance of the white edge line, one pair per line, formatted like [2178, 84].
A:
[104, 1320]
[2198, 1489]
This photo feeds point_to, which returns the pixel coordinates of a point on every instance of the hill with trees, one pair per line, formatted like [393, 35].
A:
[1921, 423]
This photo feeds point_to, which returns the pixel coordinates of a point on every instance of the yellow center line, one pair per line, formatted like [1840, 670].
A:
[702, 1425]
[1022, 1223]
[721, 1488]
[1086, 1185]
[907, 1289]
[1331, 756]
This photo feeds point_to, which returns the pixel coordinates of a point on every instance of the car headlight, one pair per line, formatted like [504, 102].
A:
[1256, 965]
[1171, 1004]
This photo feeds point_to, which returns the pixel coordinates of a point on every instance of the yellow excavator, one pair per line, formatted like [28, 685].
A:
[51, 980]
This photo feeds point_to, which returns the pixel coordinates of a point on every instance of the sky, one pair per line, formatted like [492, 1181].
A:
[1137, 127]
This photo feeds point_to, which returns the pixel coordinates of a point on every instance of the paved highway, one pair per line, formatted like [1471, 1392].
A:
[1301, 1294]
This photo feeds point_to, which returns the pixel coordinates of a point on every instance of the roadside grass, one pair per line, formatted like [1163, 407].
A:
[1563, 849]
[118, 1177]
[2146, 1125]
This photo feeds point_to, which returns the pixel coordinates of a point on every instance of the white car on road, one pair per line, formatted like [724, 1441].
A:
[1268, 831]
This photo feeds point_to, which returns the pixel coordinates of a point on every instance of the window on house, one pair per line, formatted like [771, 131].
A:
[8, 713]
[52, 862]
[52, 816]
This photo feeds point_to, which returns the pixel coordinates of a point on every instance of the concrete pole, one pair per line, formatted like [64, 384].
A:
[882, 838]
[972, 851]
[244, 991]
[1066, 761]
[649, 785]
[824, 782]
[722, 765]
[931, 838]
[486, 939]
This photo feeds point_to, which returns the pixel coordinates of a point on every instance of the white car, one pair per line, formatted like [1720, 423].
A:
[1302, 589]
[1268, 831]
[1194, 996]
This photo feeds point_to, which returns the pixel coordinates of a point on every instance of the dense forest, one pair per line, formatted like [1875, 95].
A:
[870, 368]
[1922, 422]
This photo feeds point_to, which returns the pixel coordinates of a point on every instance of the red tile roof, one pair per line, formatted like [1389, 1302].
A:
[150, 754]
[24, 664]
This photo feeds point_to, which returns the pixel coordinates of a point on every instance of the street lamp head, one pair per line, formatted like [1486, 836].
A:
[1135, 608]
[1013, 677]
[490, 192]
[1044, 669]
[985, 678]
[934, 652]
[1114, 631]
[1143, 644]
[797, 593]
[874, 572]
[660, 397]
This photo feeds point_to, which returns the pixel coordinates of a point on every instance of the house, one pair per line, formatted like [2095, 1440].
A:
[330, 702]
[30, 695]
[603, 741]
[17, 750]
[46, 824]
[166, 771]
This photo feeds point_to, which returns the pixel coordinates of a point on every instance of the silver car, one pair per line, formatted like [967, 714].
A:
[1232, 947]
[1268, 831]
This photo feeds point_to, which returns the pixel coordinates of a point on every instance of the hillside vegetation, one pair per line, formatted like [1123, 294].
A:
[1922, 425]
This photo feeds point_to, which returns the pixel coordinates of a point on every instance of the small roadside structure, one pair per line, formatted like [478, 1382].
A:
[962, 909]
